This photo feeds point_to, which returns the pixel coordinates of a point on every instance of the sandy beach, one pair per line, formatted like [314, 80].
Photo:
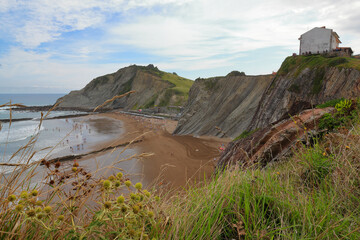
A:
[175, 159]
[156, 157]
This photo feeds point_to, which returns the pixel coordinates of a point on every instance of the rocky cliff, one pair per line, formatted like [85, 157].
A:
[152, 88]
[305, 81]
[234, 105]
[222, 106]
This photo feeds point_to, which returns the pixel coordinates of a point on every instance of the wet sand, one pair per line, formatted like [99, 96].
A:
[176, 159]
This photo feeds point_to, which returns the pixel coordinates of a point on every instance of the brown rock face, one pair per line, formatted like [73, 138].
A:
[147, 82]
[222, 106]
[272, 142]
[289, 94]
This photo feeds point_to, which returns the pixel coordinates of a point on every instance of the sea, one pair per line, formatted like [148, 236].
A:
[31, 140]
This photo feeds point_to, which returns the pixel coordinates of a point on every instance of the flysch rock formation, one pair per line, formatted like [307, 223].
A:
[274, 141]
[148, 83]
[222, 106]
[304, 85]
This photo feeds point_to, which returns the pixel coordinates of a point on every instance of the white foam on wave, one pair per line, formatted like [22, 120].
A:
[19, 131]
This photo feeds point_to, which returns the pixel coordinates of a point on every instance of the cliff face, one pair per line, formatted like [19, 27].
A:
[305, 81]
[228, 106]
[222, 106]
[152, 87]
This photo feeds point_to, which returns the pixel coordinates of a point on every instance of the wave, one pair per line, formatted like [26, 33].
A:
[19, 131]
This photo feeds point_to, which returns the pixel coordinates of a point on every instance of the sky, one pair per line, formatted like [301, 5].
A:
[54, 46]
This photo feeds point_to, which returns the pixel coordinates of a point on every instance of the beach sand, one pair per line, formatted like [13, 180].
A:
[175, 160]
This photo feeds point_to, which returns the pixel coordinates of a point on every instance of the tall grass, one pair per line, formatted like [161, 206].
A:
[313, 195]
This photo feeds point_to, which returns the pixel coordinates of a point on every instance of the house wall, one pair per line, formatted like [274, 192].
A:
[316, 40]
[334, 44]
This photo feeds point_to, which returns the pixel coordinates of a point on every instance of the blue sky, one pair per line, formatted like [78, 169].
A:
[51, 46]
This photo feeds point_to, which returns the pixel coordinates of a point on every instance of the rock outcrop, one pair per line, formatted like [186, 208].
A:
[303, 82]
[273, 142]
[235, 104]
[222, 106]
[152, 88]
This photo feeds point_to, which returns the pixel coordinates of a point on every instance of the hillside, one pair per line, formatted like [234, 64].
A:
[305, 81]
[235, 106]
[222, 106]
[152, 88]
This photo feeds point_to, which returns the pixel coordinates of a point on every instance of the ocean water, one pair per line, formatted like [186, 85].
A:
[28, 100]
[54, 137]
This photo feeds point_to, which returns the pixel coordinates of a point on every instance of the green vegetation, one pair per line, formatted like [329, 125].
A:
[316, 61]
[245, 134]
[151, 102]
[346, 115]
[180, 87]
[330, 103]
[315, 194]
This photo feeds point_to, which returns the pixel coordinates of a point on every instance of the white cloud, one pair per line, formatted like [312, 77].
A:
[190, 34]
[29, 69]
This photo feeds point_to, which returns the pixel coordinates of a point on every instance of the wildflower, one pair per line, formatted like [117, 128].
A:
[34, 193]
[47, 209]
[136, 209]
[295, 122]
[119, 175]
[75, 164]
[111, 178]
[31, 213]
[277, 173]
[106, 184]
[38, 203]
[61, 218]
[57, 164]
[24, 195]
[117, 184]
[146, 192]
[120, 199]
[157, 198]
[133, 196]
[123, 209]
[19, 207]
[11, 198]
[305, 128]
[38, 209]
[347, 147]
[128, 183]
[324, 153]
[107, 204]
[138, 186]
[74, 169]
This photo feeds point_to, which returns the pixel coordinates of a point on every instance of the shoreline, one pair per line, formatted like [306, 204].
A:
[172, 161]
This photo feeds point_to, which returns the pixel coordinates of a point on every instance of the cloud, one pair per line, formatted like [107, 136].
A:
[28, 69]
[72, 41]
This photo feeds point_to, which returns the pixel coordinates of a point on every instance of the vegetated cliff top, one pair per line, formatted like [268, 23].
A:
[152, 87]
[316, 61]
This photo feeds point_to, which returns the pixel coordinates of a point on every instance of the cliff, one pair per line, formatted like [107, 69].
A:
[305, 81]
[236, 105]
[222, 106]
[152, 88]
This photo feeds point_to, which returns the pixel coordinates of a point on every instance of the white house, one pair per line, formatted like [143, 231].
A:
[319, 40]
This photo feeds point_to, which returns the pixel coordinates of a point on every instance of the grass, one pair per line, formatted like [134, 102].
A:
[179, 89]
[245, 134]
[299, 63]
[315, 194]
